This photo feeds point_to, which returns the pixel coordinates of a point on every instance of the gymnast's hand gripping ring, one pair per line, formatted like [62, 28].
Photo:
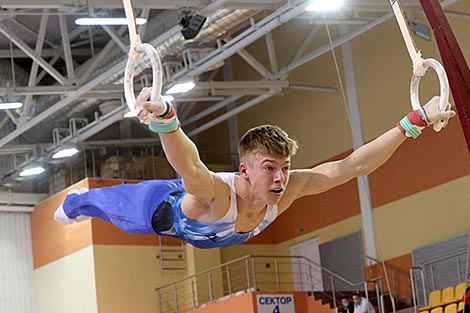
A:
[136, 51]
[444, 88]
[420, 66]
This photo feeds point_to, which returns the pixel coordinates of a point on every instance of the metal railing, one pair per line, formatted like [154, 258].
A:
[261, 273]
[414, 288]
[424, 276]
[398, 283]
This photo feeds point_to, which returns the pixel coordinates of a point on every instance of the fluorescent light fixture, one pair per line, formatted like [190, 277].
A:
[64, 153]
[168, 98]
[181, 88]
[324, 5]
[107, 21]
[32, 171]
[10, 105]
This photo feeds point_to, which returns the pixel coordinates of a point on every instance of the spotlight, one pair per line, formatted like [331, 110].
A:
[191, 24]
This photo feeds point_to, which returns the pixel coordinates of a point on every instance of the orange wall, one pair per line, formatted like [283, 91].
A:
[53, 241]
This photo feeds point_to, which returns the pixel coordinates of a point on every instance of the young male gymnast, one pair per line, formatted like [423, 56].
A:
[208, 209]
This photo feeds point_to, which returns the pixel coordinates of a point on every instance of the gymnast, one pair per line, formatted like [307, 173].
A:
[208, 209]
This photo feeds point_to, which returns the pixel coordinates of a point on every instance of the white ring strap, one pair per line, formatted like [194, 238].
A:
[136, 50]
[420, 67]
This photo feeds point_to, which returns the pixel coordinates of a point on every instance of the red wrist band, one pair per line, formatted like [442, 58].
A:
[416, 119]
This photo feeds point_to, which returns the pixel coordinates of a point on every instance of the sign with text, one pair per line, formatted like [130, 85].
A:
[282, 303]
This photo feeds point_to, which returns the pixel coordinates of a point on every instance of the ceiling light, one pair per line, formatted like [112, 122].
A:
[324, 5]
[36, 170]
[64, 153]
[10, 105]
[107, 21]
[181, 88]
[168, 98]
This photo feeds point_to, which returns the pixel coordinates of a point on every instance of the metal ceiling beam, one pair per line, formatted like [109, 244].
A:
[66, 46]
[15, 208]
[55, 90]
[41, 38]
[337, 42]
[255, 64]
[116, 38]
[113, 70]
[46, 53]
[211, 109]
[22, 198]
[138, 4]
[266, 25]
[33, 55]
[87, 68]
[32, 31]
[231, 113]
[271, 53]
[213, 88]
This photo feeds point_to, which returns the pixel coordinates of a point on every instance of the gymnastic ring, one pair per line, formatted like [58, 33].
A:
[444, 89]
[134, 56]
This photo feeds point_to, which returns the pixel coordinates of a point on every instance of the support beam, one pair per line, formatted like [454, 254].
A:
[274, 20]
[138, 4]
[320, 51]
[32, 31]
[16, 208]
[34, 68]
[116, 38]
[231, 113]
[255, 64]
[358, 141]
[271, 53]
[46, 53]
[454, 62]
[211, 109]
[43, 73]
[66, 46]
[302, 48]
[33, 55]
[21, 199]
[88, 67]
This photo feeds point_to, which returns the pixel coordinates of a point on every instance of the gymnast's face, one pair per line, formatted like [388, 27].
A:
[267, 174]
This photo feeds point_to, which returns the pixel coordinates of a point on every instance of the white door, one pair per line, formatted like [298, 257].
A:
[307, 275]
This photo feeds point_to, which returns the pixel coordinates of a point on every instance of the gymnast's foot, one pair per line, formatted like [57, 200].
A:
[62, 218]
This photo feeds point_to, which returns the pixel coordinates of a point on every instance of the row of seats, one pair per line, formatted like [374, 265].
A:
[451, 308]
[449, 295]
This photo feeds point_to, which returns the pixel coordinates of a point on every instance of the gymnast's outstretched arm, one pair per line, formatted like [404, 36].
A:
[362, 161]
[183, 156]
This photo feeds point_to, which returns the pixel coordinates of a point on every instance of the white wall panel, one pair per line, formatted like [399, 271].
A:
[16, 263]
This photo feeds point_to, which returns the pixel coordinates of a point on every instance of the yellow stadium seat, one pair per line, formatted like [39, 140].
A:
[459, 292]
[451, 308]
[461, 305]
[434, 301]
[437, 310]
[448, 295]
